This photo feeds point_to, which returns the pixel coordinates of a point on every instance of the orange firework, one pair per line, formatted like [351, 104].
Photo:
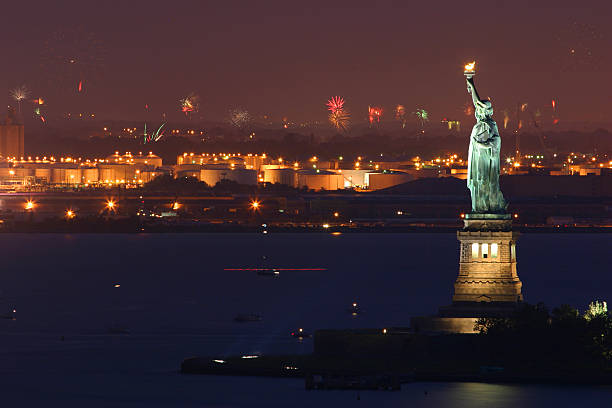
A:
[400, 114]
[374, 114]
[340, 119]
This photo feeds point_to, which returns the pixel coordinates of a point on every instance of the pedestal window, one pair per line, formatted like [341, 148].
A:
[485, 250]
[494, 250]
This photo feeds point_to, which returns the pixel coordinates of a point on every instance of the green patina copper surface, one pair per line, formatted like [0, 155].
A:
[483, 159]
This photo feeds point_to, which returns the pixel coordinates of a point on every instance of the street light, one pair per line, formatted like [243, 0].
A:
[255, 205]
[29, 205]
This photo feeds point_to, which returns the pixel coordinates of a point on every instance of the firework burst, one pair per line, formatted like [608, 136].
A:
[340, 119]
[400, 114]
[422, 115]
[190, 104]
[155, 136]
[506, 119]
[19, 94]
[39, 114]
[374, 114]
[468, 109]
[239, 118]
[335, 103]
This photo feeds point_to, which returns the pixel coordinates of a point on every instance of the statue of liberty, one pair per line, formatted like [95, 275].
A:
[483, 159]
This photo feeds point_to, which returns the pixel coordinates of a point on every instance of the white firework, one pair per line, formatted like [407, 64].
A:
[239, 118]
[19, 94]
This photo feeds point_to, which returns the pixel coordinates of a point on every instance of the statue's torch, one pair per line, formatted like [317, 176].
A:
[470, 70]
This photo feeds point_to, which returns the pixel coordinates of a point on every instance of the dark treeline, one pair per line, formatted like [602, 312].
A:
[561, 338]
[167, 184]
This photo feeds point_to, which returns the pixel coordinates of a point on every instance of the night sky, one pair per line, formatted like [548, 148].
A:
[287, 58]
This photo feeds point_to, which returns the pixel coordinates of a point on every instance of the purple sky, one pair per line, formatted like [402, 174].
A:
[287, 58]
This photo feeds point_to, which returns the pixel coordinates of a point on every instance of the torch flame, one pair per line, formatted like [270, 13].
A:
[470, 66]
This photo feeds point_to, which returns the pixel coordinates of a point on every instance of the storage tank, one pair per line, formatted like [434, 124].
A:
[378, 181]
[187, 173]
[236, 162]
[22, 172]
[147, 175]
[66, 175]
[255, 161]
[354, 178]
[114, 158]
[115, 173]
[320, 180]
[43, 174]
[286, 176]
[187, 170]
[212, 174]
[149, 159]
[89, 175]
[15, 173]
[192, 159]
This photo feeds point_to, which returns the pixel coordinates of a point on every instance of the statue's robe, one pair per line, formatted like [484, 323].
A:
[483, 168]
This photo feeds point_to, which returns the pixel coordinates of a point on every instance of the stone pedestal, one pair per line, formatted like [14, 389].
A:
[487, 284]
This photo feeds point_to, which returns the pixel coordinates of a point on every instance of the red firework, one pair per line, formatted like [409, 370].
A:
[335, 104]
[374, 114]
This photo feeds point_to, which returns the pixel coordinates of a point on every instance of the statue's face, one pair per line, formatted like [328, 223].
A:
[484, 112]
[489, 108]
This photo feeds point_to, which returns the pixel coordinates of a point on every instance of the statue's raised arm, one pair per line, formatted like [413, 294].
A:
[471, 87]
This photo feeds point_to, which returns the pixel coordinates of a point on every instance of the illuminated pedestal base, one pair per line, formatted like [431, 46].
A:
[488, 284]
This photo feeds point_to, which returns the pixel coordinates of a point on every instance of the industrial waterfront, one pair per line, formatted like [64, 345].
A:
[176, 300]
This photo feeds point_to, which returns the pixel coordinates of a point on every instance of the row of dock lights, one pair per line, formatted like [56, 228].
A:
[111, 206]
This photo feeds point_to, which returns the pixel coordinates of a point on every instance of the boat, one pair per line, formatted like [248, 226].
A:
[247, 317]
[12, 315]
[301, 334]
[268, 272]
[354, 310]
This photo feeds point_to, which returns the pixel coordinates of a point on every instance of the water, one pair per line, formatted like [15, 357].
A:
[178, 301]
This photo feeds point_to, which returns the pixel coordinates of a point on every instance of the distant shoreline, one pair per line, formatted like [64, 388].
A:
[276, 366]
[130, 228]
